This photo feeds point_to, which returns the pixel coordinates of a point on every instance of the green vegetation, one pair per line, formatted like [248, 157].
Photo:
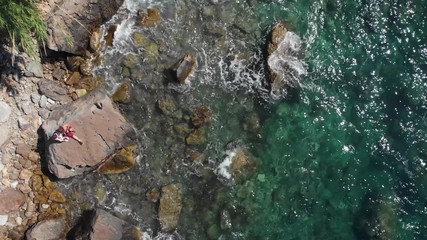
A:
[23, 23]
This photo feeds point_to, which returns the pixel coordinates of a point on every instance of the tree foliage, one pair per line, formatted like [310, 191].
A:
[23, 24]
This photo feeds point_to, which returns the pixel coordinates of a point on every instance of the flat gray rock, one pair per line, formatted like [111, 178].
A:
[4, 112]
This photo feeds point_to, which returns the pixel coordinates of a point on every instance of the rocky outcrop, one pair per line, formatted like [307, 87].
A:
[98, 123]
[170, 207]
[70, 23]
[51, 229]
[284, 63]
[106, 226]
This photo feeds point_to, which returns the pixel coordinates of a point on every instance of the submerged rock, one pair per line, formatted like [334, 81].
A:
[123, 93]
[98, 123]
[201, 116]
[170, 207]
[377, 219]
[124, 160]
[148, 17]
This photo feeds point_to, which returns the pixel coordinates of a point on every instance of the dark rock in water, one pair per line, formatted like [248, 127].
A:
[153, 195]
[89, 83]
[11, 200]
[123, 93]
[110, 35]
[201, 116]
[105, 226]
[251, 122]
[70, 23]
[284, 63]
[148, 17]
[98, 123]
[168, 106]
[54, 91]
[51, 229]
[184, 68]
[170, 207]
[377, 219]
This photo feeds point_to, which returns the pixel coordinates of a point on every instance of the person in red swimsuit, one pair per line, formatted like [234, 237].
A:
[68, 131]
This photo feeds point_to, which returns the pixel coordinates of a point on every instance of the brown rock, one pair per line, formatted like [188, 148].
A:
[73, 63]
[57, 196]
[95, 39]
[243, 165]
[98, 123]
[68, 23]
[73, 78]
[50, 229]
[10, 200]
[148, 17]
[194, 155]
[106, 226]
[24, 150]
[184, 68]
[196, 137]
[201, 116]
[153, 195]
[123, 93]
[121, 162]
[54, 91]
[110, 35]
[170, 207]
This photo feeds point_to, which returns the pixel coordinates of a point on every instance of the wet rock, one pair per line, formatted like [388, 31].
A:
[110, 35]
[89, 83]
[34, 69]
[194, 155]
[153, 195]
[98, 123]
[86, 67]
[251, 122]
[50, 229]
[196, 137]
[285, 67]
[95, 39]
[123, 93]
[170, 207]
[238, 165]
[54, 91]
[184, 68]
[73, 63]
[65, 35]
[201, 116]
[105, 226]
[167, 106]
[124, 160]
[148, 17]
[10, 200]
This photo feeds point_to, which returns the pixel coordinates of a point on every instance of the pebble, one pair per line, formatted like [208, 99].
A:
[26, 108]
[5, 182]
[35, 97]
[18, 220]
[45, 206]
[4, 112]
[14, 184]
[25, 175]
[3, 219]
[43, 101]
[23, 123]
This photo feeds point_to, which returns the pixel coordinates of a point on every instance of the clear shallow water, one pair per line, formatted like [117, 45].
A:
[343, 157]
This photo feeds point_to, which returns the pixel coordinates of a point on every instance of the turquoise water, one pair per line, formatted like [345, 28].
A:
[341, 157]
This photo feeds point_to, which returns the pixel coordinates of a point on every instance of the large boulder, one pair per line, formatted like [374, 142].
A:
[285, 65]
[97, 122]
[71, 23]
[106, 226]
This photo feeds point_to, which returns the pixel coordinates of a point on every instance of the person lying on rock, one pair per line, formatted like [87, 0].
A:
[65, 132]
[69, 131]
